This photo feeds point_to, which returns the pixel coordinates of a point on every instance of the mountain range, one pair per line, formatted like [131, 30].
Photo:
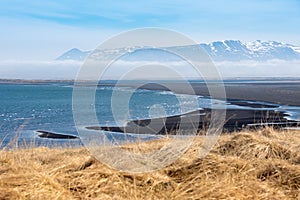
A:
[227, 50]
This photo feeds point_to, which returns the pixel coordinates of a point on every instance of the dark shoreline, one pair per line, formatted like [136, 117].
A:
[52, 135]
[278, 93]
[238, 92]
[284, 91]
[236, 120]
[248, 94]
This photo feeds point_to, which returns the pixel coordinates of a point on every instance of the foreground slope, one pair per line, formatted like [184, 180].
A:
[247, 165]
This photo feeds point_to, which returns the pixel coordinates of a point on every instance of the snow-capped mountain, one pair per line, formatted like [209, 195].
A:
[235, 50]
[74, 54]
[227, 50]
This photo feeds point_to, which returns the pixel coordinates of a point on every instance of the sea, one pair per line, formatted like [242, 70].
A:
[26, 108]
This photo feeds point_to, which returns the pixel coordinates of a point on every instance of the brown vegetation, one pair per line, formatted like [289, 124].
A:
[262, 164]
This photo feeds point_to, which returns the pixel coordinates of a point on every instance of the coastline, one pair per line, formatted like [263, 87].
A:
[259, 98]
[235, 120]
[284, 91]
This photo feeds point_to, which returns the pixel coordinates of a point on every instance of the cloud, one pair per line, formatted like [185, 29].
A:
[251, 68]
[147, 70]
[39, 69]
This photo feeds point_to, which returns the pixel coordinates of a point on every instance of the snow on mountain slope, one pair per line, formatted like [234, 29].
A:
[295, 48]
[74, 54]
[227, 50]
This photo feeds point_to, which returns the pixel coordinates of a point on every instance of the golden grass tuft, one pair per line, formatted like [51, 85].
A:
[262, 164]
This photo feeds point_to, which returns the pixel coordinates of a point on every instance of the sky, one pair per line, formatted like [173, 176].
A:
[43, 30]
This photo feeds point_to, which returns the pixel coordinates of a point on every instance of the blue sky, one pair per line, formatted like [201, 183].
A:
[42, 30]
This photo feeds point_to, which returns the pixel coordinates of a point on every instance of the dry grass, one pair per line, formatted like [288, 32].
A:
[263, 164]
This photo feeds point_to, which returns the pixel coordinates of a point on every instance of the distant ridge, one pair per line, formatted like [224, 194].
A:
[74, 54]
[227, 50]
[235, 50]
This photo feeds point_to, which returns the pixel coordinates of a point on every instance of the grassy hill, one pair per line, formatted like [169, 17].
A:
[262, 164]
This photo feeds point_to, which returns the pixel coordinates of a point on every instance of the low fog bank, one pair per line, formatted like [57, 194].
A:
[66, 70]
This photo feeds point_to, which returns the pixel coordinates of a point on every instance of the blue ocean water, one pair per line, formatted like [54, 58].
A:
[27, 108]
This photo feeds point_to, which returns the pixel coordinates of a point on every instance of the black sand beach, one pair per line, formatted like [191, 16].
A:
[237, 93]
[252, 94]
[278, 92]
